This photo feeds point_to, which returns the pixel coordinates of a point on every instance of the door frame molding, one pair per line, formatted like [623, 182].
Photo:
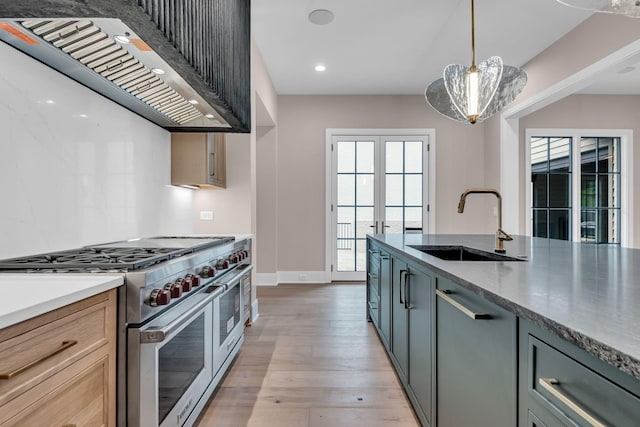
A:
[431, 176]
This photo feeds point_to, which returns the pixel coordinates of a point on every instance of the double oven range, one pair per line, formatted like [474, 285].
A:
[180, 317]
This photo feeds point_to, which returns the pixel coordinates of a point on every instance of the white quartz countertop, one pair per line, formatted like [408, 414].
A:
[29, 295]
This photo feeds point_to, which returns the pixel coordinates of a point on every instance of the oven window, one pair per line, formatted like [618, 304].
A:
[180, 362]
[229, 312]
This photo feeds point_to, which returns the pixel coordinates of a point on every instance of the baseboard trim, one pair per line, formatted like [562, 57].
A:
[298, 277]
[254, 311]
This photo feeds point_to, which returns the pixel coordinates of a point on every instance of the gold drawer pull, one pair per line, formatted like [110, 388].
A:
[65, 345]
[549, 383]
[445, 296]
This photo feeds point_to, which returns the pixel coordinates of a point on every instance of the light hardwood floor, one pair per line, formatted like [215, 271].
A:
[310, 360]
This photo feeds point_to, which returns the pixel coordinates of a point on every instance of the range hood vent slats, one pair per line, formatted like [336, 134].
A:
[180, 50]
[104, 57]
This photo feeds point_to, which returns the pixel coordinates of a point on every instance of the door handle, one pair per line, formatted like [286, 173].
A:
[402, 286]
[407, 306]
[445, 296]
[549, 383]
[384, 226]
[375, 226]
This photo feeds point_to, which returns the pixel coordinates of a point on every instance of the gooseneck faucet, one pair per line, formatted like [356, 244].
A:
[501, 236]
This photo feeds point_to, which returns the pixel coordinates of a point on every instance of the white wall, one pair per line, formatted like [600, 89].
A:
[68, 180]
[302, 121]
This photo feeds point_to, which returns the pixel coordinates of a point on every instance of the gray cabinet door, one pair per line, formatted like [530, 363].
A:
[385, 298]
[476, 360]
[420, 301]
[400, 318]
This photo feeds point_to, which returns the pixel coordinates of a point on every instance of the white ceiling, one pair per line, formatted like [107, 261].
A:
[398, 46]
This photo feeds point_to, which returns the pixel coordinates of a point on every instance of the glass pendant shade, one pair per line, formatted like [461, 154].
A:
[457, 97]
[622, 7]
[473, 94]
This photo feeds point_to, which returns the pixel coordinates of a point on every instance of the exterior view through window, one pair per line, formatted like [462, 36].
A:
[587, 166]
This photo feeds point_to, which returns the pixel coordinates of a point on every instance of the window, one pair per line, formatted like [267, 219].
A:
[575, 188]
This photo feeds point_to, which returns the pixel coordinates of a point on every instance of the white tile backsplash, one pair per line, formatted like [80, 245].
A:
[77, 169]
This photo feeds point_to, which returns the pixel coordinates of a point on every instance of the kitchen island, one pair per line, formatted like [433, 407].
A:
[569, 305]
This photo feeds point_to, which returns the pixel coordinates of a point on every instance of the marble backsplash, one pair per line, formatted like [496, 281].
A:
[77, 169]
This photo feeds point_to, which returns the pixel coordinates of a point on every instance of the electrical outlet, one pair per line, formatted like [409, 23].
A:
[206, 215]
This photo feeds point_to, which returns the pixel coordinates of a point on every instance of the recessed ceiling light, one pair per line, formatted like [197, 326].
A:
[627, 69]
[320, 67]
[49, 101]
[193, 102]
[122, 39]
[157, 70]
[321, 17]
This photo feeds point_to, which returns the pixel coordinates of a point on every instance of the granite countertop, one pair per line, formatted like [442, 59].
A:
[35, 294]
[587, 294]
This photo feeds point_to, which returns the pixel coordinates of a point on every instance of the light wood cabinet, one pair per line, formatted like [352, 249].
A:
[199, 160]
[59, 368]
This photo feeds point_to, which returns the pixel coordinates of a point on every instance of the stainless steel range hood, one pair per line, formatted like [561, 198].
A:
[181, 64]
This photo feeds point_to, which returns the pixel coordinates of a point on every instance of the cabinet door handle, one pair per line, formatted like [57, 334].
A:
[65, 345]
[212, 164]
[549, 383]
[401, 301]
[407, 306]
[445, 296]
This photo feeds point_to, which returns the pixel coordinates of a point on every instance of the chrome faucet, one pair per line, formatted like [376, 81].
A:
[501, 236]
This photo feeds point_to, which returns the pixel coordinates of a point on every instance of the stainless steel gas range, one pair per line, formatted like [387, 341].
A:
[180, 317]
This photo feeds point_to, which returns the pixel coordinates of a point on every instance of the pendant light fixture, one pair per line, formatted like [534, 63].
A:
[473, 94]
[629, 8]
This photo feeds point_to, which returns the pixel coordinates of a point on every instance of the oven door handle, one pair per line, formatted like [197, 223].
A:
[231, 282]
[156, 335]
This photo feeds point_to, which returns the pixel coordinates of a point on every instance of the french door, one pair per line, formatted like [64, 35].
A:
[380, 184]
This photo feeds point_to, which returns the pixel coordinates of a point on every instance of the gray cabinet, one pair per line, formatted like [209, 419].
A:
[373, 285]
[561, 384]
[385, 298]
[476, 351]
[419, 297]
[399, 318]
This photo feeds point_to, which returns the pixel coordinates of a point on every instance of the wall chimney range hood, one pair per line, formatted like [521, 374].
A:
[182, 64]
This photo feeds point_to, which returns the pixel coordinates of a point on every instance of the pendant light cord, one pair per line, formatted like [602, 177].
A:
[473, 37]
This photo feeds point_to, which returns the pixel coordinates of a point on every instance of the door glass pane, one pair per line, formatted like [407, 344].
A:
[559, 193]
[364, 189]
[361, 255]
[364, 217]
[346, 190]
[540, 223]
[608, 226]
[588, 190]
[393, 220]
[607, 185]
[559, 155]
[346, 156]
[394, 156]
[394, 189]
[588, 155]
[413, 156]
[539, 155]
[588, 226]
[346, 258]
[365, 156]
[413, 190]
[413, 220]
[345, 228]
[559, 224]
[539, 190]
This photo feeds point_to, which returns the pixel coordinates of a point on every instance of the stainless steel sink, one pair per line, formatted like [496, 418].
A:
[463, 253]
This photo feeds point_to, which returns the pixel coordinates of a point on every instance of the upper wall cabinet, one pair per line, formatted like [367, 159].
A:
[184, 66]
[198, 160]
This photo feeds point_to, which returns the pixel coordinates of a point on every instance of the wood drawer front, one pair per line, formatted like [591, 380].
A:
[90, 327]
[77, 396]
[578, 385]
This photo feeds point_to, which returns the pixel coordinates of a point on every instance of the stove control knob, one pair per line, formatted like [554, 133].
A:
[159, 297]
[222, 264]
[246, 254]
[234, 259]
[185, 283]
[208, 271]
[195, 280]
[175, 289]
[241, 255]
